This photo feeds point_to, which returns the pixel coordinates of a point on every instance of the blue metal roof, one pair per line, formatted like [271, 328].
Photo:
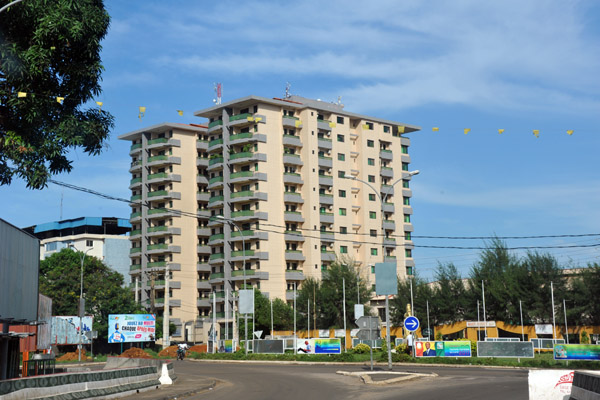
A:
[77, 222]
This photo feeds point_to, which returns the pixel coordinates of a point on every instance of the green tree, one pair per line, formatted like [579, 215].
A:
[448, 302]
[50, 49]
[582, 307]
[422, 293]
[102, 288]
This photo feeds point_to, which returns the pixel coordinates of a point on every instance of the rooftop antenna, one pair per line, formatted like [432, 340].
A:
[288, 86]
[218, 91]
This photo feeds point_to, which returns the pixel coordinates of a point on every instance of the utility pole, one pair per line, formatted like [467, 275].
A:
[166, 339]
[344, 309]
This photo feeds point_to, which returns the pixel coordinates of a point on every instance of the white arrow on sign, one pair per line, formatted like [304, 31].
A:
[411, 324]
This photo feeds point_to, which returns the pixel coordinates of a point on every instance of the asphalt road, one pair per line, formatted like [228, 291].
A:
[312, 382]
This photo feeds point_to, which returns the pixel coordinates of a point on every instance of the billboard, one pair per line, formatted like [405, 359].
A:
[319, 346]
[541, 344]
[131, 328]
[269, 346]
[19, 266]
[505, 349]
[65, 329]
[44, 330]
[581, 352]
[443, 349]
[226, 346]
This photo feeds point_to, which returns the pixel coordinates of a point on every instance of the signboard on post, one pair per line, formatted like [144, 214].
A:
[368, 334]
[359, 311]
[125, 328]
[580, 352]
[319, 346]
[275, 346]
[386, 279]
[65, 329]
[411, 324]
[443, 349]
[505, 349]
[246, 301]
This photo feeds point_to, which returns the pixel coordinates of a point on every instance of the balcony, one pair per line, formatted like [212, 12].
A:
[163, 177]
[250, 274]
[215, 182]
[216, 277]
[390, 242]
[202, 162]
[325, 162]
[162, 265]
[216, 257]
[240, 119]
[215, 163]
[161, 213]
[387, 189]
[324, 143]
[327, 236]
[389, 224]
[135, 233]
[249, 235]
[325, 125]
[292, 140]
[136, 198]
[387, 172]
[202, 196]
[163, 160]
[215, 201]
[385, 154]
[203, 267]
[163, 195]
[203, 284]
[202, 145]
[291, 122]
[135, 182]
[203, 303]
[135, 166]
[215, 126]
[162, 230]
[161, 248]
[293, 197]
[293, 236]
[292, 159]
[215, 144]
[294, 255]
[326, 217]
[246, 156]
[325, 198]
[247, 195]
[163, 143]
[389, 259]
[292, 216]
[135, 148]
[247, 137]
[134, 250]
[247, 176]
[136, 216]
[135, 267]
[327, 255]
[292, 177]
[326, 180]
[294, 275]
[389, 207]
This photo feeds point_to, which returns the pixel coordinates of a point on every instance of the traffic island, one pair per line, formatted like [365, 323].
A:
[386, 377]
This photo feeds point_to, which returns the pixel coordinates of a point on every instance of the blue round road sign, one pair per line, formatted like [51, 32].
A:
[411, 324]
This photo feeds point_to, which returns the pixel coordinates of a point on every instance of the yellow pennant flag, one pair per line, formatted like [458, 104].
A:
[401, 129]
[298, 124]
[60, 99]
[467, 130]
[142, 112]
[570, 132]
[257, 119]
[99, 104]
[500, 131]
[21, 94]
[536, 133]
[435, 129]
[332, 125]
[180, 112]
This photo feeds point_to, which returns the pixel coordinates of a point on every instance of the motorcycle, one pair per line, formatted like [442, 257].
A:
[180, 354]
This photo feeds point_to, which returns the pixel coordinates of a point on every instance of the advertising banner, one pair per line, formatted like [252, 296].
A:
[274, 346]
[443, 349]
[543, 329]
[125, 328]
[226, 346]
[319, 346]
[582, 352]
[65, 329]
[505, 349]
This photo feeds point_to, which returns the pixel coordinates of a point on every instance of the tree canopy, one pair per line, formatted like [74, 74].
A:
[102, 288]
[50, 68]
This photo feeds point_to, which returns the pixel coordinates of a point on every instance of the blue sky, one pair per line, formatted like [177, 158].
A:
[510, 65]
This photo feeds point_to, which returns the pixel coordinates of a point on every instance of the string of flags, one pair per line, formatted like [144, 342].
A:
[401, 129]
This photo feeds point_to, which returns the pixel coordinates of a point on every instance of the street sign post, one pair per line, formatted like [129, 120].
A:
[369, 327]
[411, 323]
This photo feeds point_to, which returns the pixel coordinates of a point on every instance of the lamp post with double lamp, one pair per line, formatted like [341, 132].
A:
[81, 308]
[222, 218]
[382, 200]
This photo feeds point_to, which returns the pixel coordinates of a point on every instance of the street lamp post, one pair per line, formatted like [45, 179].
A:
[382, 200]
[222, 218]
[81, 310]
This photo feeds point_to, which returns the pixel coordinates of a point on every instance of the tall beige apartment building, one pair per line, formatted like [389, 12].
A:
[262, 194]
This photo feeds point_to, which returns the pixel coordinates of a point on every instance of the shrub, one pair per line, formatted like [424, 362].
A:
[585, 338]
[361, 348]
[402, 348]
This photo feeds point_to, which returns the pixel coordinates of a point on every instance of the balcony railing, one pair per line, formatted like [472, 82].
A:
[240, 253]
[157, 158]
[244, 154]
[239, 116]
[216, 256]
[215, 142]
[243, 193]
[158, 246]
[157, 193]
[242, 213]
[242, 174]
[157, 141]
[243, 135]
[161, 228]
[215, 123]
[157, 264]
[216, 160]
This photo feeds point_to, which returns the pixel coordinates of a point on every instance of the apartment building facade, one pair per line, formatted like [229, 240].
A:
[262, 196]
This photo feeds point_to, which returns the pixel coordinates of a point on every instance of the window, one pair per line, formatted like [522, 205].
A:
[370, 143]
[51, 246]
[404, 166]
[342, 211]
[89, 243]
[373, 232]
[407, 236]
[405, 184]
[372, 215]
[323, 267]
[341, 157]
[343, 230]
[404, 149]
[371, 178]
[406, 218]
[342, 193]
[371, 197]
[370, 161]
[341, 174]
[344, 249]
[406, 201]
[373, 251]
[372, 269]
[340, 120]
[340, 138]
[386, 129]
[409, 270]
[408, 252]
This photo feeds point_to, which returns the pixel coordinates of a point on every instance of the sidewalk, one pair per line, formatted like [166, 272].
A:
[181, 387]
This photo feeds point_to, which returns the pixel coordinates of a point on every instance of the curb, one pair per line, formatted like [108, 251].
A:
[405, 376]
[203, 388]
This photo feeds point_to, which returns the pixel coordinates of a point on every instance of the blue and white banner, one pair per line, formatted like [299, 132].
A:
[131, 328]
